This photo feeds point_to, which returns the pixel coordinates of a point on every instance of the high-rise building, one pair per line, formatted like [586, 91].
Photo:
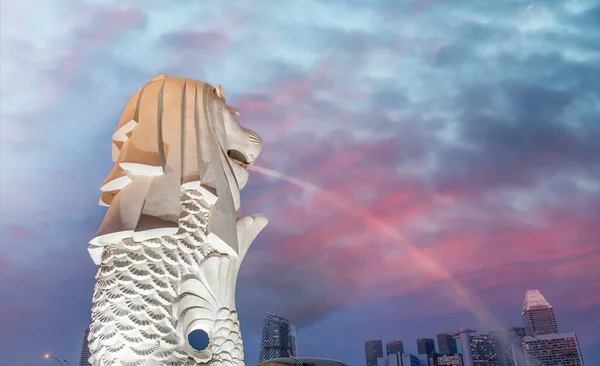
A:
[399, 359]
[373, 351]
[391, 360]
[447, 344]
[437, 359]
[408, 359]
[508, 346]
[293, 345]
[394, 347]
[425, 346]
[425, 359]
[483, 350]
[276, 334]
[85, 350]
[538, 315]
[556, 349]
[465, 342]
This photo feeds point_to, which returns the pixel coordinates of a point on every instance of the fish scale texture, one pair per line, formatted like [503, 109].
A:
[137, 285]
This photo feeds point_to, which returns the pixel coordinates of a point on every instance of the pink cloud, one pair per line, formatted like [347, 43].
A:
[489, 255]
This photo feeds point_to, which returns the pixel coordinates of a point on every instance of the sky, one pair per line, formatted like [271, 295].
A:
[445, 155]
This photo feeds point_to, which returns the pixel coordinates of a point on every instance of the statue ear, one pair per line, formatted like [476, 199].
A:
[220, 92]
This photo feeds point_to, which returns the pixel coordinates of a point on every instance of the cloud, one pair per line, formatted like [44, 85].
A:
[468, 128]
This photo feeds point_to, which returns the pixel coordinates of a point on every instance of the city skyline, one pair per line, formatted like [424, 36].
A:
[483, 347]
[425, 163]
[538, 340]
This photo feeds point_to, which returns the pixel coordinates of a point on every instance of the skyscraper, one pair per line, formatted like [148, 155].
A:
[447, 344]
[276, 338]
[85, 350]
[552, 350]
[408, 359]
[373, 351]
[483, 350]
[293, 345]
[437, 359]
[508, 345]
[394, 359]
[425, 346]
[465, 343]
[538, 315]
[394, 347]
[543, 345]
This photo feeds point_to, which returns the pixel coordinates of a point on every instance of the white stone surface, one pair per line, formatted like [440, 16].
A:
[171, 244]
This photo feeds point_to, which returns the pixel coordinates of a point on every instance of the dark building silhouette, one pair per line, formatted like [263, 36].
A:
[394, 347]
[538, 315]
[277, 339]
[373, 351]
[425, 346]
[447, 344]
[85, 350]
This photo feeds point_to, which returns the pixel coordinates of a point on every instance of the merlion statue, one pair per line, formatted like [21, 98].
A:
[170, 247]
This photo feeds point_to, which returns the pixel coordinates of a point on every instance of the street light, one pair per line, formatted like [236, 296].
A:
[47, 356]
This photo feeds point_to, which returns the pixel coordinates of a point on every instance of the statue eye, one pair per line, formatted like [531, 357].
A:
[198, 339]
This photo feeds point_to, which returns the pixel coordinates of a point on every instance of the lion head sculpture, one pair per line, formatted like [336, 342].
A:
[174, 132]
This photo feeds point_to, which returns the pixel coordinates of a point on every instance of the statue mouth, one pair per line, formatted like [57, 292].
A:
[238, 158]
